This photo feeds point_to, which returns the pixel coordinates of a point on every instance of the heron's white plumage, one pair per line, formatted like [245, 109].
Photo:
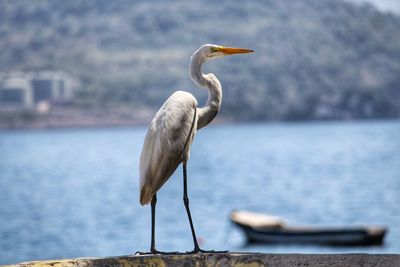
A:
[171, 132]
[164, 142]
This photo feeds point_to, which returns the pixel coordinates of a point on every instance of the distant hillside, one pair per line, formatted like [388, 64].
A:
[315, 59]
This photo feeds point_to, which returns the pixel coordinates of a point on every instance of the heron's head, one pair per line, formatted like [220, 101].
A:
[210, 51]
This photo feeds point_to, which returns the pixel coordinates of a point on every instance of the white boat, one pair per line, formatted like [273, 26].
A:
[263, 228]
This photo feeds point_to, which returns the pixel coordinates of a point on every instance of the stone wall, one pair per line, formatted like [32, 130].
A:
[230, 259]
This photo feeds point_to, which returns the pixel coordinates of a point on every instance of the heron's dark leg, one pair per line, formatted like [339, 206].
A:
[186, 201]
[153, 249]
[153, 229]
[153, 224]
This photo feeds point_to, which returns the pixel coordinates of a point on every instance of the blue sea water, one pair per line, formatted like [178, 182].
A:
[74, 192]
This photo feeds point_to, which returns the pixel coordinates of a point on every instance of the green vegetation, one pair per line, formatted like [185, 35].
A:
[314, 59]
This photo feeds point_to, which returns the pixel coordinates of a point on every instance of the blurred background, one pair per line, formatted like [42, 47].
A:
[308, 130]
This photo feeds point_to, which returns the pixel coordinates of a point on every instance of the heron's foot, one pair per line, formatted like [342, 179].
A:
[156, 252]
[199, 250]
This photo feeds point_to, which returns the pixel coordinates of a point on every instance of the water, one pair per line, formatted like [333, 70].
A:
[74, 193]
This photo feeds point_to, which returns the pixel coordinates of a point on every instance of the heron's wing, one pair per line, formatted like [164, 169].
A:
[164, 142]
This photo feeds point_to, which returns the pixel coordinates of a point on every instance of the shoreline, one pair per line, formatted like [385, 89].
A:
[67, 117]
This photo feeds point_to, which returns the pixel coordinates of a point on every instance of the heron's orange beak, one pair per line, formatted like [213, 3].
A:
[233, 50]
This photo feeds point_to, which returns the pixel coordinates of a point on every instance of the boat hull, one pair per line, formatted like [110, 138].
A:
[360, 236]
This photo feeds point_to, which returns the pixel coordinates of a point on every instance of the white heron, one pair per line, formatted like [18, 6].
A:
[171, 132]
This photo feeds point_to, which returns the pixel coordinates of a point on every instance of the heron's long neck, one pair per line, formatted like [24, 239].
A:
[207, 113]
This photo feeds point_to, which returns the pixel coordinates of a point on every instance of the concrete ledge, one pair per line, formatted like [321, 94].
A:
[228, 259]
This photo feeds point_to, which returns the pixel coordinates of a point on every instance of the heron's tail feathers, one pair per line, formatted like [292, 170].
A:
[145, 195]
